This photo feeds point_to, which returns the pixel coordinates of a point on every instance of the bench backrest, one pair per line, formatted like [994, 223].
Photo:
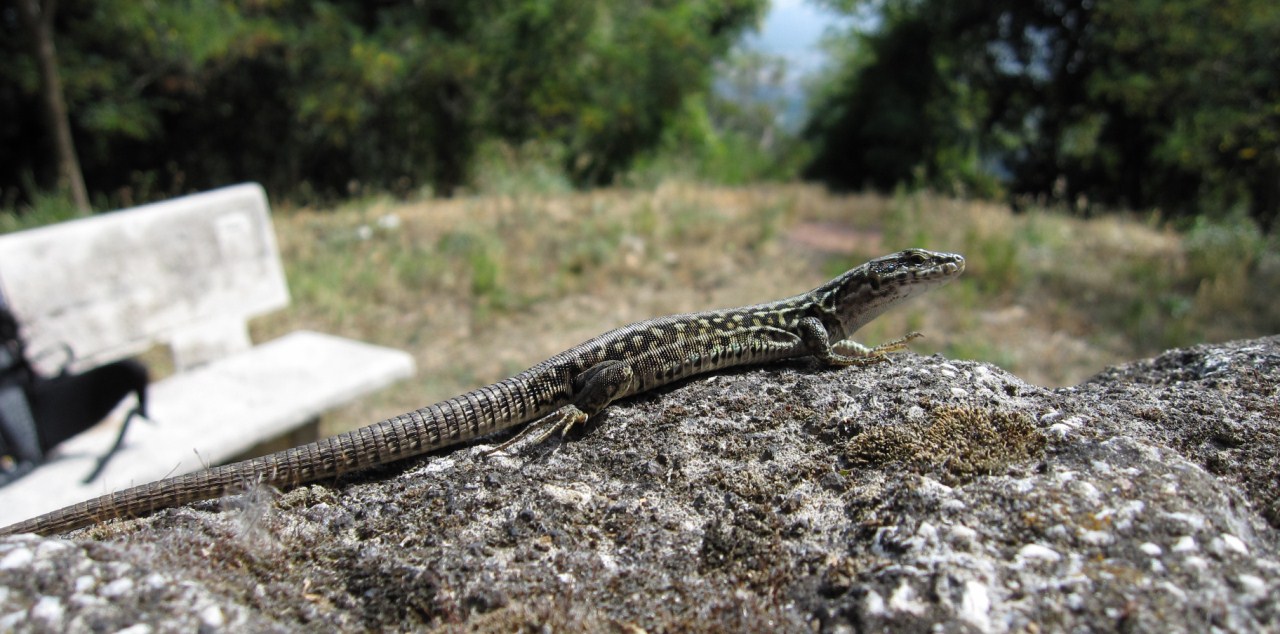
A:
[186, 272]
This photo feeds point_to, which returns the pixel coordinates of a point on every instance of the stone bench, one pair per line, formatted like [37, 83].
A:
[187, 274]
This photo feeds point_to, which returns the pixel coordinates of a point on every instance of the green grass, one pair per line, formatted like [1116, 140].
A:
[44, 209]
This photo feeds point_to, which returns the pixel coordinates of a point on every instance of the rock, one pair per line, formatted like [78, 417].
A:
[921, 495]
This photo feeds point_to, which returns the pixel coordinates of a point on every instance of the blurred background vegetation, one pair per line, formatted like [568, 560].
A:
[1110, 168]
[1138, 104]
[323, 100]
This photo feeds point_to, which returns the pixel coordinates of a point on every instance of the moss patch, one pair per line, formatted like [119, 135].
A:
[958, 442]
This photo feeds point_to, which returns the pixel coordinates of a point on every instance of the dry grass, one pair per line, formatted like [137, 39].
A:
[480, 288]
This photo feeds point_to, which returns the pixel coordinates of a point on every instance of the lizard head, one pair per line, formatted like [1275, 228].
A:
[863, 293]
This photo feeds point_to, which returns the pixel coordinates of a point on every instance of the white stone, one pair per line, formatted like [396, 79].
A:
[1234, 544]
[1252, 584]
[975, 605]
[17, 558]
[117, 588]
[123, 277]
[1193, 521]
[48, 609]
[961, 534]
[212, 617]
[1195, 561]
[1096, 538]
[875, 604]
[904, 599]
[1039, 552]
[9, 622]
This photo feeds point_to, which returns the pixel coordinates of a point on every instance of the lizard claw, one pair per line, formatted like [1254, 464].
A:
[539, 430]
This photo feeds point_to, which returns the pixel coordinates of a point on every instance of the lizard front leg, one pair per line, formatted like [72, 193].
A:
[847, 352]
[593, 390]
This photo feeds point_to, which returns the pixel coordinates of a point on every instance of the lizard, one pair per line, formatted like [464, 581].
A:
[566, 389]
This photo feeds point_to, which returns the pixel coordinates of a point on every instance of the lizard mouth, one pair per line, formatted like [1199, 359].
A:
[925, 267]
[943, 273]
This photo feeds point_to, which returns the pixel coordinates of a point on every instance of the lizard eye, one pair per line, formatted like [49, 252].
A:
[916, 258]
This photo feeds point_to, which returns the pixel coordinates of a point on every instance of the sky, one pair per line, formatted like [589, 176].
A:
[792, 29]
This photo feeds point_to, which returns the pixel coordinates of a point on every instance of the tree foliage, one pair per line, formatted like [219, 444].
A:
[734, 133]
[325, 95]
[1145, 103]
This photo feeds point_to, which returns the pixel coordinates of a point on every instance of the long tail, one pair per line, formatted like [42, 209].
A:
[404, 436]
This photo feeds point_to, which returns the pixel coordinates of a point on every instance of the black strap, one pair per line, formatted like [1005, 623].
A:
[106, 457]
[18, 425]
[37, 413]
[20, 449]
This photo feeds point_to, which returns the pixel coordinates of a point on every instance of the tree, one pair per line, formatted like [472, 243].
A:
[1200, 77]
[38, 20]
[327, 96]
[875, 128]
[1145, 103]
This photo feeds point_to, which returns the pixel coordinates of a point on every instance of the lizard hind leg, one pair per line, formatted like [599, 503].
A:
[541, 429]
[594, 389]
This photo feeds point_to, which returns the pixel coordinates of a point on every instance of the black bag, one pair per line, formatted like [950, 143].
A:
[37, 413]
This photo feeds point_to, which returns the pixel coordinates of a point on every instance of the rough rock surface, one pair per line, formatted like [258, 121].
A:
[923, 495]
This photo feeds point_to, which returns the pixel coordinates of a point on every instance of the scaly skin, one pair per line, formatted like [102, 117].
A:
[567, 388]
